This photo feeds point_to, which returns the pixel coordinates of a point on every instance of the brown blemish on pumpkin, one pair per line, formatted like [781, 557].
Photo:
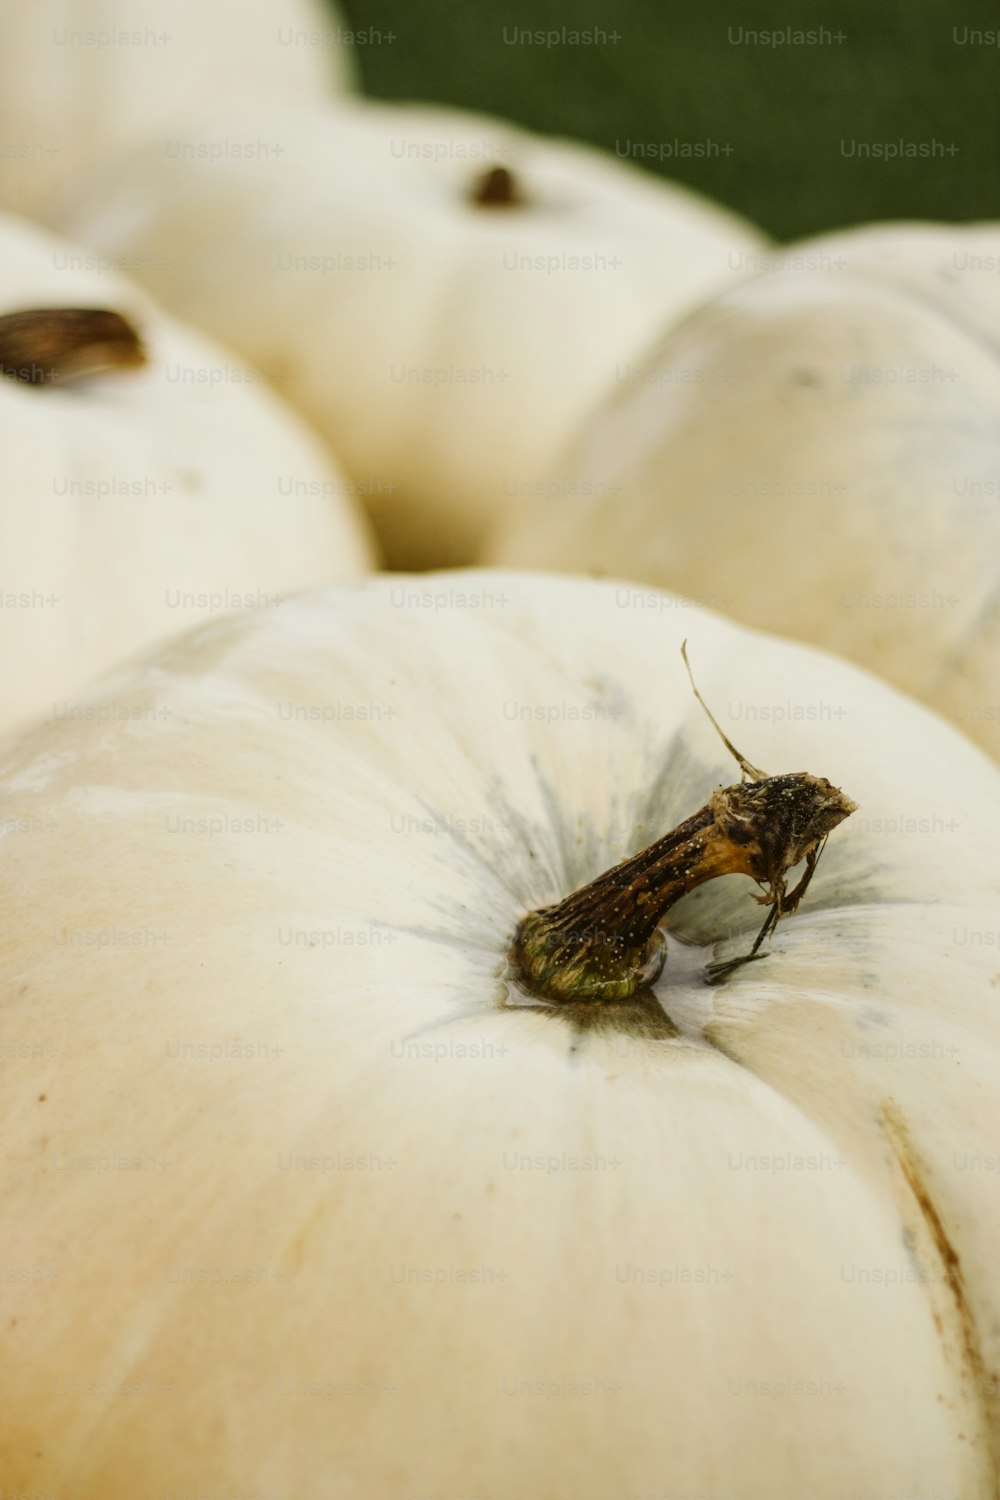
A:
[294, 1253]
[965, 1334]
[497, 187]
[808, 377]
[53, 345]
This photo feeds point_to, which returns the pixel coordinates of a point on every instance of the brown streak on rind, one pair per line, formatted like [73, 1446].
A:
[897, 1134]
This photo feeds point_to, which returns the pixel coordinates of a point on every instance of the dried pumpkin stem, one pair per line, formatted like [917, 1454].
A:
[601, 942]
[497, 187]
[53, 345]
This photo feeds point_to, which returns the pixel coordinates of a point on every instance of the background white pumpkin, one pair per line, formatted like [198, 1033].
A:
[816, 452]
[300, 1199]
[82, 78]
[447, 348]
[134, 504]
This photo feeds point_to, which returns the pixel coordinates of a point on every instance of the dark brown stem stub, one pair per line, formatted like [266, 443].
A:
[497, 187]
[599, 944]
[54, 345]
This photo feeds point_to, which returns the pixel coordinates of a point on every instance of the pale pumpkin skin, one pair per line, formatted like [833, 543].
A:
[447, 349]
[955, 267]
[816, 452]
[422, 825]
[152, 67]
[121, 497]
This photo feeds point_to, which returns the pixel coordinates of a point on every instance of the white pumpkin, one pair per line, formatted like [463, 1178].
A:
[302, 1197]
[817, 452]
[442, 294]
[82, 78]
[135, 503]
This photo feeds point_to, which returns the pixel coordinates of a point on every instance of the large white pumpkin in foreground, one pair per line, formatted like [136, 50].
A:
[136, 503]
[82, 78]
[301, 1199]
[816, 452]
[443, 294]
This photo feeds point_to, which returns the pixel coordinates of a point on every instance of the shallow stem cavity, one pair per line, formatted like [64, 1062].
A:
[56, 345]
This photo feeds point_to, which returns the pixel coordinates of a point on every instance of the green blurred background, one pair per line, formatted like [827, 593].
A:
[777, 124]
